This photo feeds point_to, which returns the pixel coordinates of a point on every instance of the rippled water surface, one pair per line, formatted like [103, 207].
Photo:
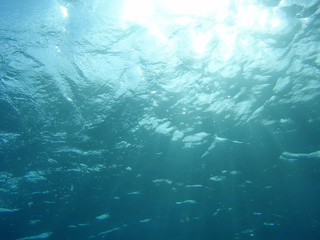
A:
[152, 119]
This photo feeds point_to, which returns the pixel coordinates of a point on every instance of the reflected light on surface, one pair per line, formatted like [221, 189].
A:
[192, 7]
[138, 11]
[252, 17]
[227, 41]
[275, 22]
[200, 41]
[199, 21]
[158, 34]
[64, 11]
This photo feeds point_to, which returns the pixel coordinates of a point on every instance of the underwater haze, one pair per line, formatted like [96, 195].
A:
[160, 119]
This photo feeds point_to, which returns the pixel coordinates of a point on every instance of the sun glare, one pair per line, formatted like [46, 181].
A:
[64, 11]
[138, 11]
[275, 22]
[192, 7]
[202, 20]
[200, 41]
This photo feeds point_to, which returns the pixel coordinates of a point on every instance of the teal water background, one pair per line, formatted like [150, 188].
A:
[140, 120]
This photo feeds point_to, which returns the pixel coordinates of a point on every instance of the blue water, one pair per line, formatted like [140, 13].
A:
[159, 120]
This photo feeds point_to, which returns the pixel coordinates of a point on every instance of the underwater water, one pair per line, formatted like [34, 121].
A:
[156, 120]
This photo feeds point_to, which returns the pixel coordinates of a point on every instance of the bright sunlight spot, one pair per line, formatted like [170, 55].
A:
[275, 22]
[192, 7]
[138, 11]
[64, 11]
[252, 17]
[200, 41]
[197, 22]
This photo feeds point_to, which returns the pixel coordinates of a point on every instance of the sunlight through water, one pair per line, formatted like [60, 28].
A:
[202, 22]
[159, 119]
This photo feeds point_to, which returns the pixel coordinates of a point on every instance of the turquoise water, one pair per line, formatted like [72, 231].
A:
[159, 119]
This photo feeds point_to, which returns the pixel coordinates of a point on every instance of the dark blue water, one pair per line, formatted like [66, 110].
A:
[159, 120]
